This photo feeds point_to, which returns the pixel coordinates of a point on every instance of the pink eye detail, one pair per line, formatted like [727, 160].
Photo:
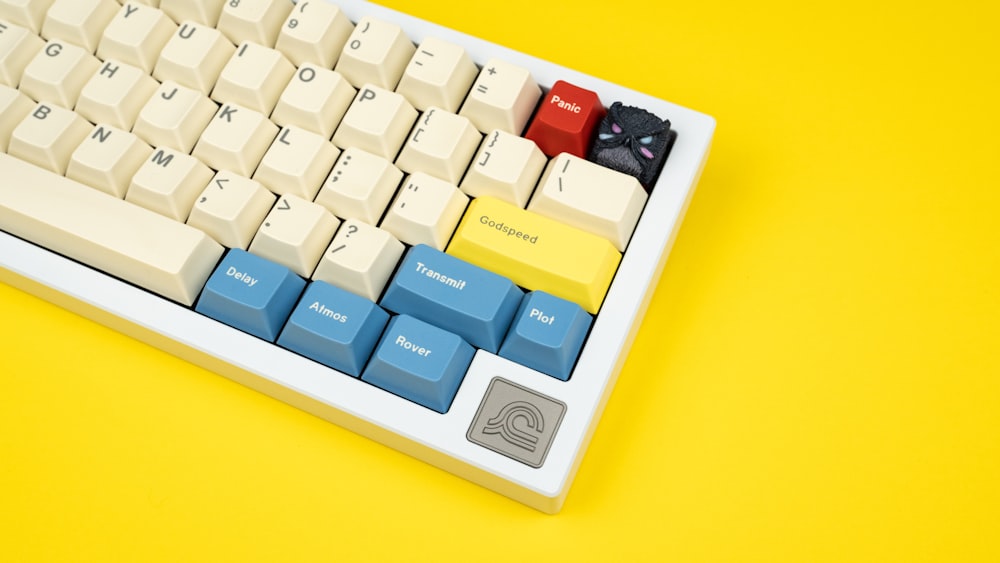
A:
[616, 128]
[645, 152]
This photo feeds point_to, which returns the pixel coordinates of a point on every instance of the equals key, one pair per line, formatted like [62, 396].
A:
[503, 97]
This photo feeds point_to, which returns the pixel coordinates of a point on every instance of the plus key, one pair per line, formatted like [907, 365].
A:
[566, 120]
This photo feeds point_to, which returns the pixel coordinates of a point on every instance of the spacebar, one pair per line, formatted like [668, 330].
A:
[112, 235]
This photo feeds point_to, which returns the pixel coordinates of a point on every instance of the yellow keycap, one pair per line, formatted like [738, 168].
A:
[536, 252]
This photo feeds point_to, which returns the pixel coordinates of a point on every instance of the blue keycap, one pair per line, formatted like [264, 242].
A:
[334, 327]
[547, 334]
[450, 293]
[250, 293]
[419, 362]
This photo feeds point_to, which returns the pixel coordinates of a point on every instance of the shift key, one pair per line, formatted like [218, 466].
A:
[536, 252]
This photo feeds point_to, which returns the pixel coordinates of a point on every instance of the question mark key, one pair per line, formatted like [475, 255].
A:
[360, 259]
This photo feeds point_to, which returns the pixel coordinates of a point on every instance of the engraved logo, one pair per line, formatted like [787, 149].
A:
[505, 423]
[517, 422]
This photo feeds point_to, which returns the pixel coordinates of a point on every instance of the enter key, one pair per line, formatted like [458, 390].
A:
[536, 252]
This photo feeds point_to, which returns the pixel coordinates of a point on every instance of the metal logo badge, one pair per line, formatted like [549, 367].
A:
[517, 422]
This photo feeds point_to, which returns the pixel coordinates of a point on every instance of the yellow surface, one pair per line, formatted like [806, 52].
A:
[818, 378]
[536, 252]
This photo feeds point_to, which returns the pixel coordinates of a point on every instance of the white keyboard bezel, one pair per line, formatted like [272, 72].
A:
[435, 438]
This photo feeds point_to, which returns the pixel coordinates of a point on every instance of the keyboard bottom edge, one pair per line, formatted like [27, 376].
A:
[528, 497]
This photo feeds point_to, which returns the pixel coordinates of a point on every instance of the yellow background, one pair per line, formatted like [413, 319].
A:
[817, 379]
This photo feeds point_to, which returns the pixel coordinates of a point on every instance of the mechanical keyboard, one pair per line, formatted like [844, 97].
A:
[432, 240]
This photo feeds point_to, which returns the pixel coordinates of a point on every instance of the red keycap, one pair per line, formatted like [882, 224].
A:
[566, 120]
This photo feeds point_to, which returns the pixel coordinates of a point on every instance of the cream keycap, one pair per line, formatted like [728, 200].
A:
[194, 56]
[235, 139]
[136, 35]
[107, 159]
[18, 46]
[591, 197]
[80, 22]
[376, 53]
[14, 107]
[253, 20]
[439, 74]
[295, 233]
[503, 97]
[205, 12]
[314, 32]
[360, 259]
[175, 117]
[297, 163]
[425, 211]
[254, 77]
[378, 121]
[112, 235]
[360, 186]
[25, 13]
[315, 100]
[506, 167]
[47, 137]
[116, 94]
[231, 209]
[58, 73]
[169, 182]
[536, 252]
[441, 144]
